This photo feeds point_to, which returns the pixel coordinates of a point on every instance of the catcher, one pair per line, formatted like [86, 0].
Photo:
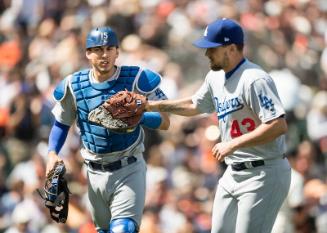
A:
[112, 149]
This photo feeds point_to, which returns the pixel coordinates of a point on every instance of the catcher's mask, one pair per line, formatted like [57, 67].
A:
[101, 36]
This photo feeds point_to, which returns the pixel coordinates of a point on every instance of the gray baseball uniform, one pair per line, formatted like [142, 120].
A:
[247, 200]
[116, 194]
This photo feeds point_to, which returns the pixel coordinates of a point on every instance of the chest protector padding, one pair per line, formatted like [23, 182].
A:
[89, 96]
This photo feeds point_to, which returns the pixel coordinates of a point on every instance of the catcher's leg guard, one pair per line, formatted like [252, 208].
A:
[101, 231]
[123, 225]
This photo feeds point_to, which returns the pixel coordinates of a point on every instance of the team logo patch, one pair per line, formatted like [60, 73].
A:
[138, 102]
[159, 94]
[266, 103]
[105, 37]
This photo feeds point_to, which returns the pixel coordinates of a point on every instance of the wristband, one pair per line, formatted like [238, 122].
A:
[57, 136]
[151, 120]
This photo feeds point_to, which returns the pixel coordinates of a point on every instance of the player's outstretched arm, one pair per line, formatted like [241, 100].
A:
[182, 107]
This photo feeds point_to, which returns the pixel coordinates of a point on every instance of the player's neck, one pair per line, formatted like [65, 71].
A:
[101, 76]
[233, 63]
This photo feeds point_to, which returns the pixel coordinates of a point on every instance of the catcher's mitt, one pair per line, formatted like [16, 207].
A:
[121, 113]
[56, 193]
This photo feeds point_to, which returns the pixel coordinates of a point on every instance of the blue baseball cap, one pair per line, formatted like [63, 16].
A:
[221, 32]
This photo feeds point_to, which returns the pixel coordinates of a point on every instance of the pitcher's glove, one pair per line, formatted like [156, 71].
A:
[121, 113]
[56, 193]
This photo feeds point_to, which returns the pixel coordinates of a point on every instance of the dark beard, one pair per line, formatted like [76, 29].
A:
[215, 67]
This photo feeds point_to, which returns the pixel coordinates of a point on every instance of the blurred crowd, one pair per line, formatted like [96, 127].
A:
[42, 41]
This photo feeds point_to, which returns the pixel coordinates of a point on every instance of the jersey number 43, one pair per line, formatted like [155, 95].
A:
[247, 123]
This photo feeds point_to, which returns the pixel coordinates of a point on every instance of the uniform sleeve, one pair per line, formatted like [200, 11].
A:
[64, 111]
[157, 94]
[203, 98]
[264, 100]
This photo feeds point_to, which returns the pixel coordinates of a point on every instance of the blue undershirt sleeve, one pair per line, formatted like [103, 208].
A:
[151, 120]
[57, 136]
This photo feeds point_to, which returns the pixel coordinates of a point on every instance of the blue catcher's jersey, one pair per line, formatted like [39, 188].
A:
[89, 96]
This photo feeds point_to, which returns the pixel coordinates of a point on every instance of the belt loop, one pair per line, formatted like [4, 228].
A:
[124, 161]
[248, 164]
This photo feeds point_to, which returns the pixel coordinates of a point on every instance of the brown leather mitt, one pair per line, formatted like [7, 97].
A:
[121, 113]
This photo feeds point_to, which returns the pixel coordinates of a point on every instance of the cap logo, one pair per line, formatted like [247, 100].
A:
[105, 37]
[206, 32]
[226, 39]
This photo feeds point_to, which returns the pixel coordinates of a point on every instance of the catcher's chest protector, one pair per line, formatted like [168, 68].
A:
[89, 96]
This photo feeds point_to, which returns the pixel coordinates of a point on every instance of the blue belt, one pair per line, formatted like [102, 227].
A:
[110, 167]
[247, 165]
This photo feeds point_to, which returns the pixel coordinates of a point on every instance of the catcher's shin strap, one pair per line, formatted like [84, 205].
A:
[110, 167]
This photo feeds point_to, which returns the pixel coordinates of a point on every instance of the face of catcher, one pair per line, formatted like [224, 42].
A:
[103, 60]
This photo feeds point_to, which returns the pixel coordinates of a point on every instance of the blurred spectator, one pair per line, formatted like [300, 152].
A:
[40, 43]
[8, 202]
[287, 85]
[10, 50]
[317, 121]
[150, 221]
[306, 162]
[31, 172]
[315, 192]
[289, 212]
[22, 127]
[21, 219]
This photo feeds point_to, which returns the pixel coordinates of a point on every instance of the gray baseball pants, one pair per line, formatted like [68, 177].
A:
[248, 201]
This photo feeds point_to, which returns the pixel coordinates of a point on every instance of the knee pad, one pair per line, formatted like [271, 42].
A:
[123, 225]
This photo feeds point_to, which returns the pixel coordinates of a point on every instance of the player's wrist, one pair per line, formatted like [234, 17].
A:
[51, 160]
[52, 153]
[149, 106]
[235, 144]
[52, 157]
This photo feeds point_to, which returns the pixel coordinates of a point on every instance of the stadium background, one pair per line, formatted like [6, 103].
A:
[41, 41]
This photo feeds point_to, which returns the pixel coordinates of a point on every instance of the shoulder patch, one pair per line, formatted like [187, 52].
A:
[148, 81]
[60, 90]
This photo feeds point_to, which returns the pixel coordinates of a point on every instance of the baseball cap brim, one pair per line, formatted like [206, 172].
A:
[204, 44]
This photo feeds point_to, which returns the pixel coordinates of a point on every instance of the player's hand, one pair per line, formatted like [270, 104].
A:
[223, 149]
[52, 159]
